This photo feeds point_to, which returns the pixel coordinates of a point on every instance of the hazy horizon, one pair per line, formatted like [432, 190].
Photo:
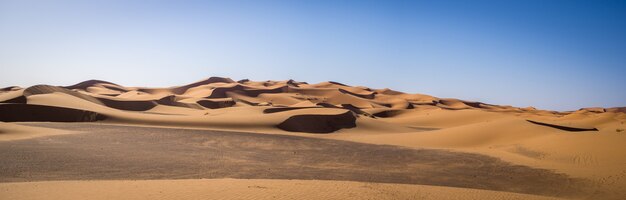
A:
[558, 55]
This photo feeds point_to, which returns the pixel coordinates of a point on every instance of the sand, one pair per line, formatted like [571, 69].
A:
[243, 189]
[106, 152]
[588, 143]
[10, 132]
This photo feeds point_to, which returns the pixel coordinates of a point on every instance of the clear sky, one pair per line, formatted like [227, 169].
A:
[559, 55]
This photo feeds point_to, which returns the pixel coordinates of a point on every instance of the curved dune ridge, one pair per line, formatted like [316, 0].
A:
[205, 97]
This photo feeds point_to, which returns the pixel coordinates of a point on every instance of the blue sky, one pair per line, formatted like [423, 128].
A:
[559, 55]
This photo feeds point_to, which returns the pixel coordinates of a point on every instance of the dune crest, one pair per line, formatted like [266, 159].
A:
[206, 97]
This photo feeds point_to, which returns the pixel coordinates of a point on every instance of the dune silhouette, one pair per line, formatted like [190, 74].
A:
[287, 99]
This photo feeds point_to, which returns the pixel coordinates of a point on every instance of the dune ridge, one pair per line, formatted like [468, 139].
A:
[188, 104]
[587, 143]
[218, 92]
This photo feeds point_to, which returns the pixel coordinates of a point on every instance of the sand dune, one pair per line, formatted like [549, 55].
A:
[587, 143]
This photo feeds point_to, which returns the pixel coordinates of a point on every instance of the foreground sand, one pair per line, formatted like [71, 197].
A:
[111, 152]
[10, 131]
[599, 156]
[243, 189]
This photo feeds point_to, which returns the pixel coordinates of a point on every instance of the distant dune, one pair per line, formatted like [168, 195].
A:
[588, 143]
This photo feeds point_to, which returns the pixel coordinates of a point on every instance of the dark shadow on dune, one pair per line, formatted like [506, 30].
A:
[115, 88]
[257, 92]
[283, 109]
[19, 99]
[128, 105]
[243, 81]
[220, 92]
[327, 105]
[171, 101]
[387, 113]
[354, 109]
[365, 96]
[473, 104]
[294, 83]
[565, 128]
[215, 104]
[40, 113]
[337, 83]
[432, 103]
[318, 123]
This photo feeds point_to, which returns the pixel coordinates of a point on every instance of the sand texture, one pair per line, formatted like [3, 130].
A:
[244, 189]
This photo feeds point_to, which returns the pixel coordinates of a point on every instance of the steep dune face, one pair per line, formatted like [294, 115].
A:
[318, 123]
[26, 112]
[13, 96]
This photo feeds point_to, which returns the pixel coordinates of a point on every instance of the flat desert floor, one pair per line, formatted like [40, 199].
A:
[112, 152]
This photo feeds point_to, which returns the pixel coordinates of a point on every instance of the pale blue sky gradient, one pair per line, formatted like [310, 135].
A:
[559, 55]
